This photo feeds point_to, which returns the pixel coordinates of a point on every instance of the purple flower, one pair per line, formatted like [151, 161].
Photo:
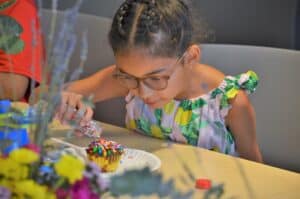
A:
[33, 147]
[4, 193]
[62, 193]
[93, 168]
[93, 172]
[81, 190]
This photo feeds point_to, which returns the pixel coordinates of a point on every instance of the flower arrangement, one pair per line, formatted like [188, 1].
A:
[26, 172]
[53, 180]
[27, 169]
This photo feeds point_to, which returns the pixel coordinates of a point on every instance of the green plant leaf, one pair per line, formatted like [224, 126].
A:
[143, 182]
[214, 192]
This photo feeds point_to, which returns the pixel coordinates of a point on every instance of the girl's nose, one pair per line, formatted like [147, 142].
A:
[144, 91]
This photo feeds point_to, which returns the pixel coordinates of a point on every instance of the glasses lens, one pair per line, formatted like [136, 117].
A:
[156, 83]
[127, 81]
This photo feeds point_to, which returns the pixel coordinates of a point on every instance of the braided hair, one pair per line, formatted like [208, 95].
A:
[162, 27]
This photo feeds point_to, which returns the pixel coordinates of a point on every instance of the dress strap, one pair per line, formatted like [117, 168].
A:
[230, 86]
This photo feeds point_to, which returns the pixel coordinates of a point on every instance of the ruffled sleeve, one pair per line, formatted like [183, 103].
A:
[232, 84]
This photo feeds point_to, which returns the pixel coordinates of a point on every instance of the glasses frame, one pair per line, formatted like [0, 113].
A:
[138, 80]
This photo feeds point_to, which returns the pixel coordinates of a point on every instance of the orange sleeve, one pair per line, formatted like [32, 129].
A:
[28, 62]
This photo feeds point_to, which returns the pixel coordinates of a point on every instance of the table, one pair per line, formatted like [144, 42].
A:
[241, 178]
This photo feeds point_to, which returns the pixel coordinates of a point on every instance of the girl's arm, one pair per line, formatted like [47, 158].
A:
[13, 86]
[101, 84]
[241, 122]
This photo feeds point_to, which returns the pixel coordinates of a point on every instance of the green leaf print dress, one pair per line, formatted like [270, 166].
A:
[199, 121]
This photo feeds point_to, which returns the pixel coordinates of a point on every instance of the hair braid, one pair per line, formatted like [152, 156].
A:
[149, 19]
[163, 27]
[121, 15]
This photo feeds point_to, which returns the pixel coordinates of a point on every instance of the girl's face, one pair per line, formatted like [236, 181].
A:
[156, 80]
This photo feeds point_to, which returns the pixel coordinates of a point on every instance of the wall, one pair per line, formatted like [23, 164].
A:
[253, 22]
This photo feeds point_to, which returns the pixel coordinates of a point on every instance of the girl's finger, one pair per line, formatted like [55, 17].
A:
[88, 114]
[62, 107]
[70, 107]
[69, 114]
[87, 117]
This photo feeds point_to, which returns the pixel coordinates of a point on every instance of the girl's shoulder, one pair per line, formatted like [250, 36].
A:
[214, 82]
[209, 78]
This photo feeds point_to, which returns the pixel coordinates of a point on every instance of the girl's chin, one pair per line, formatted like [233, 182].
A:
[157, 105]
[154, 105]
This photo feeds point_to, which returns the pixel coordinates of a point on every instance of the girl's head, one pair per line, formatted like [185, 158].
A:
[161, 27]
[152, 39]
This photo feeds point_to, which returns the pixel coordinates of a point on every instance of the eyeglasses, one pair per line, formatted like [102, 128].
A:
[153, 82]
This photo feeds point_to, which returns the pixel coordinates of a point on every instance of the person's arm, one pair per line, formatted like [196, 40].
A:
[101, 84]
[21, 65]
[242, 123]
[13, 86]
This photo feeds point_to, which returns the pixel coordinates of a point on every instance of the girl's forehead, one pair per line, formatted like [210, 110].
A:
[140, 63]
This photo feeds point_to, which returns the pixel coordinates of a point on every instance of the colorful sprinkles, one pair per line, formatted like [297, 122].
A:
[104, 148]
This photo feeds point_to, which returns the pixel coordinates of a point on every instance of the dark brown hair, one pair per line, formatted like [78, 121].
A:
[161, 27]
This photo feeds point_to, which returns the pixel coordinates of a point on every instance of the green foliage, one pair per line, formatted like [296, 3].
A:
[144, 182]
[10, 31]
[215, 192]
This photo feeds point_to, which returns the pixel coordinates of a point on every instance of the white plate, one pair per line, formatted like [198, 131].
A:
[137, 159]
[131, 159]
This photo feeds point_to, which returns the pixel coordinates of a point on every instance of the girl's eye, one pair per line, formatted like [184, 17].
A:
[126, 77]
[154, 78]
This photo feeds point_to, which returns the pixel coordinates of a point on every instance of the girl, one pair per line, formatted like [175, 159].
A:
[169, 93]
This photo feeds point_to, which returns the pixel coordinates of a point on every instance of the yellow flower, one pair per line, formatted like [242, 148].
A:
[24, 156]
[7, 184]
[70, 167]
[156, 131]
[131, 124]
[12, 169]
[169, 108]
[232, 93]
[32, 190]
[183, 117]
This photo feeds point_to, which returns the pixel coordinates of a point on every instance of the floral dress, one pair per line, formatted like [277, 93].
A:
[199, 121]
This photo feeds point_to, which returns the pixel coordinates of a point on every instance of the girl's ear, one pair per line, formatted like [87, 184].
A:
[192, 55]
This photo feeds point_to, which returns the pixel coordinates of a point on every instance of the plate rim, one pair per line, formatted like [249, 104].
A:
[83, 149]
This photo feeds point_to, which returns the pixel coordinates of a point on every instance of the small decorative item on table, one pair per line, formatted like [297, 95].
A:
[106, 154]
[91, 129]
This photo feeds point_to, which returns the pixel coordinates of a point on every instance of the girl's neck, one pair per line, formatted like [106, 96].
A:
[191, 87]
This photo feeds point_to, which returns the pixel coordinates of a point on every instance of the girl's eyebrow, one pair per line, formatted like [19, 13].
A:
[155, 71]
[147, 74]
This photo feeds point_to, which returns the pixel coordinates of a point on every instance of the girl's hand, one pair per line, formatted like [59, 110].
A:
[72, 108]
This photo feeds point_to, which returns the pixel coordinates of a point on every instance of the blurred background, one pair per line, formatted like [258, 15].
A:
[261, 35]
[272, 23]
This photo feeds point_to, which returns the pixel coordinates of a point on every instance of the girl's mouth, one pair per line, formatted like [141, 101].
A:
[150, 102]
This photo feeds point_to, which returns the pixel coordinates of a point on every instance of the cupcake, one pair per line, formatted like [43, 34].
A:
[106, 154]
